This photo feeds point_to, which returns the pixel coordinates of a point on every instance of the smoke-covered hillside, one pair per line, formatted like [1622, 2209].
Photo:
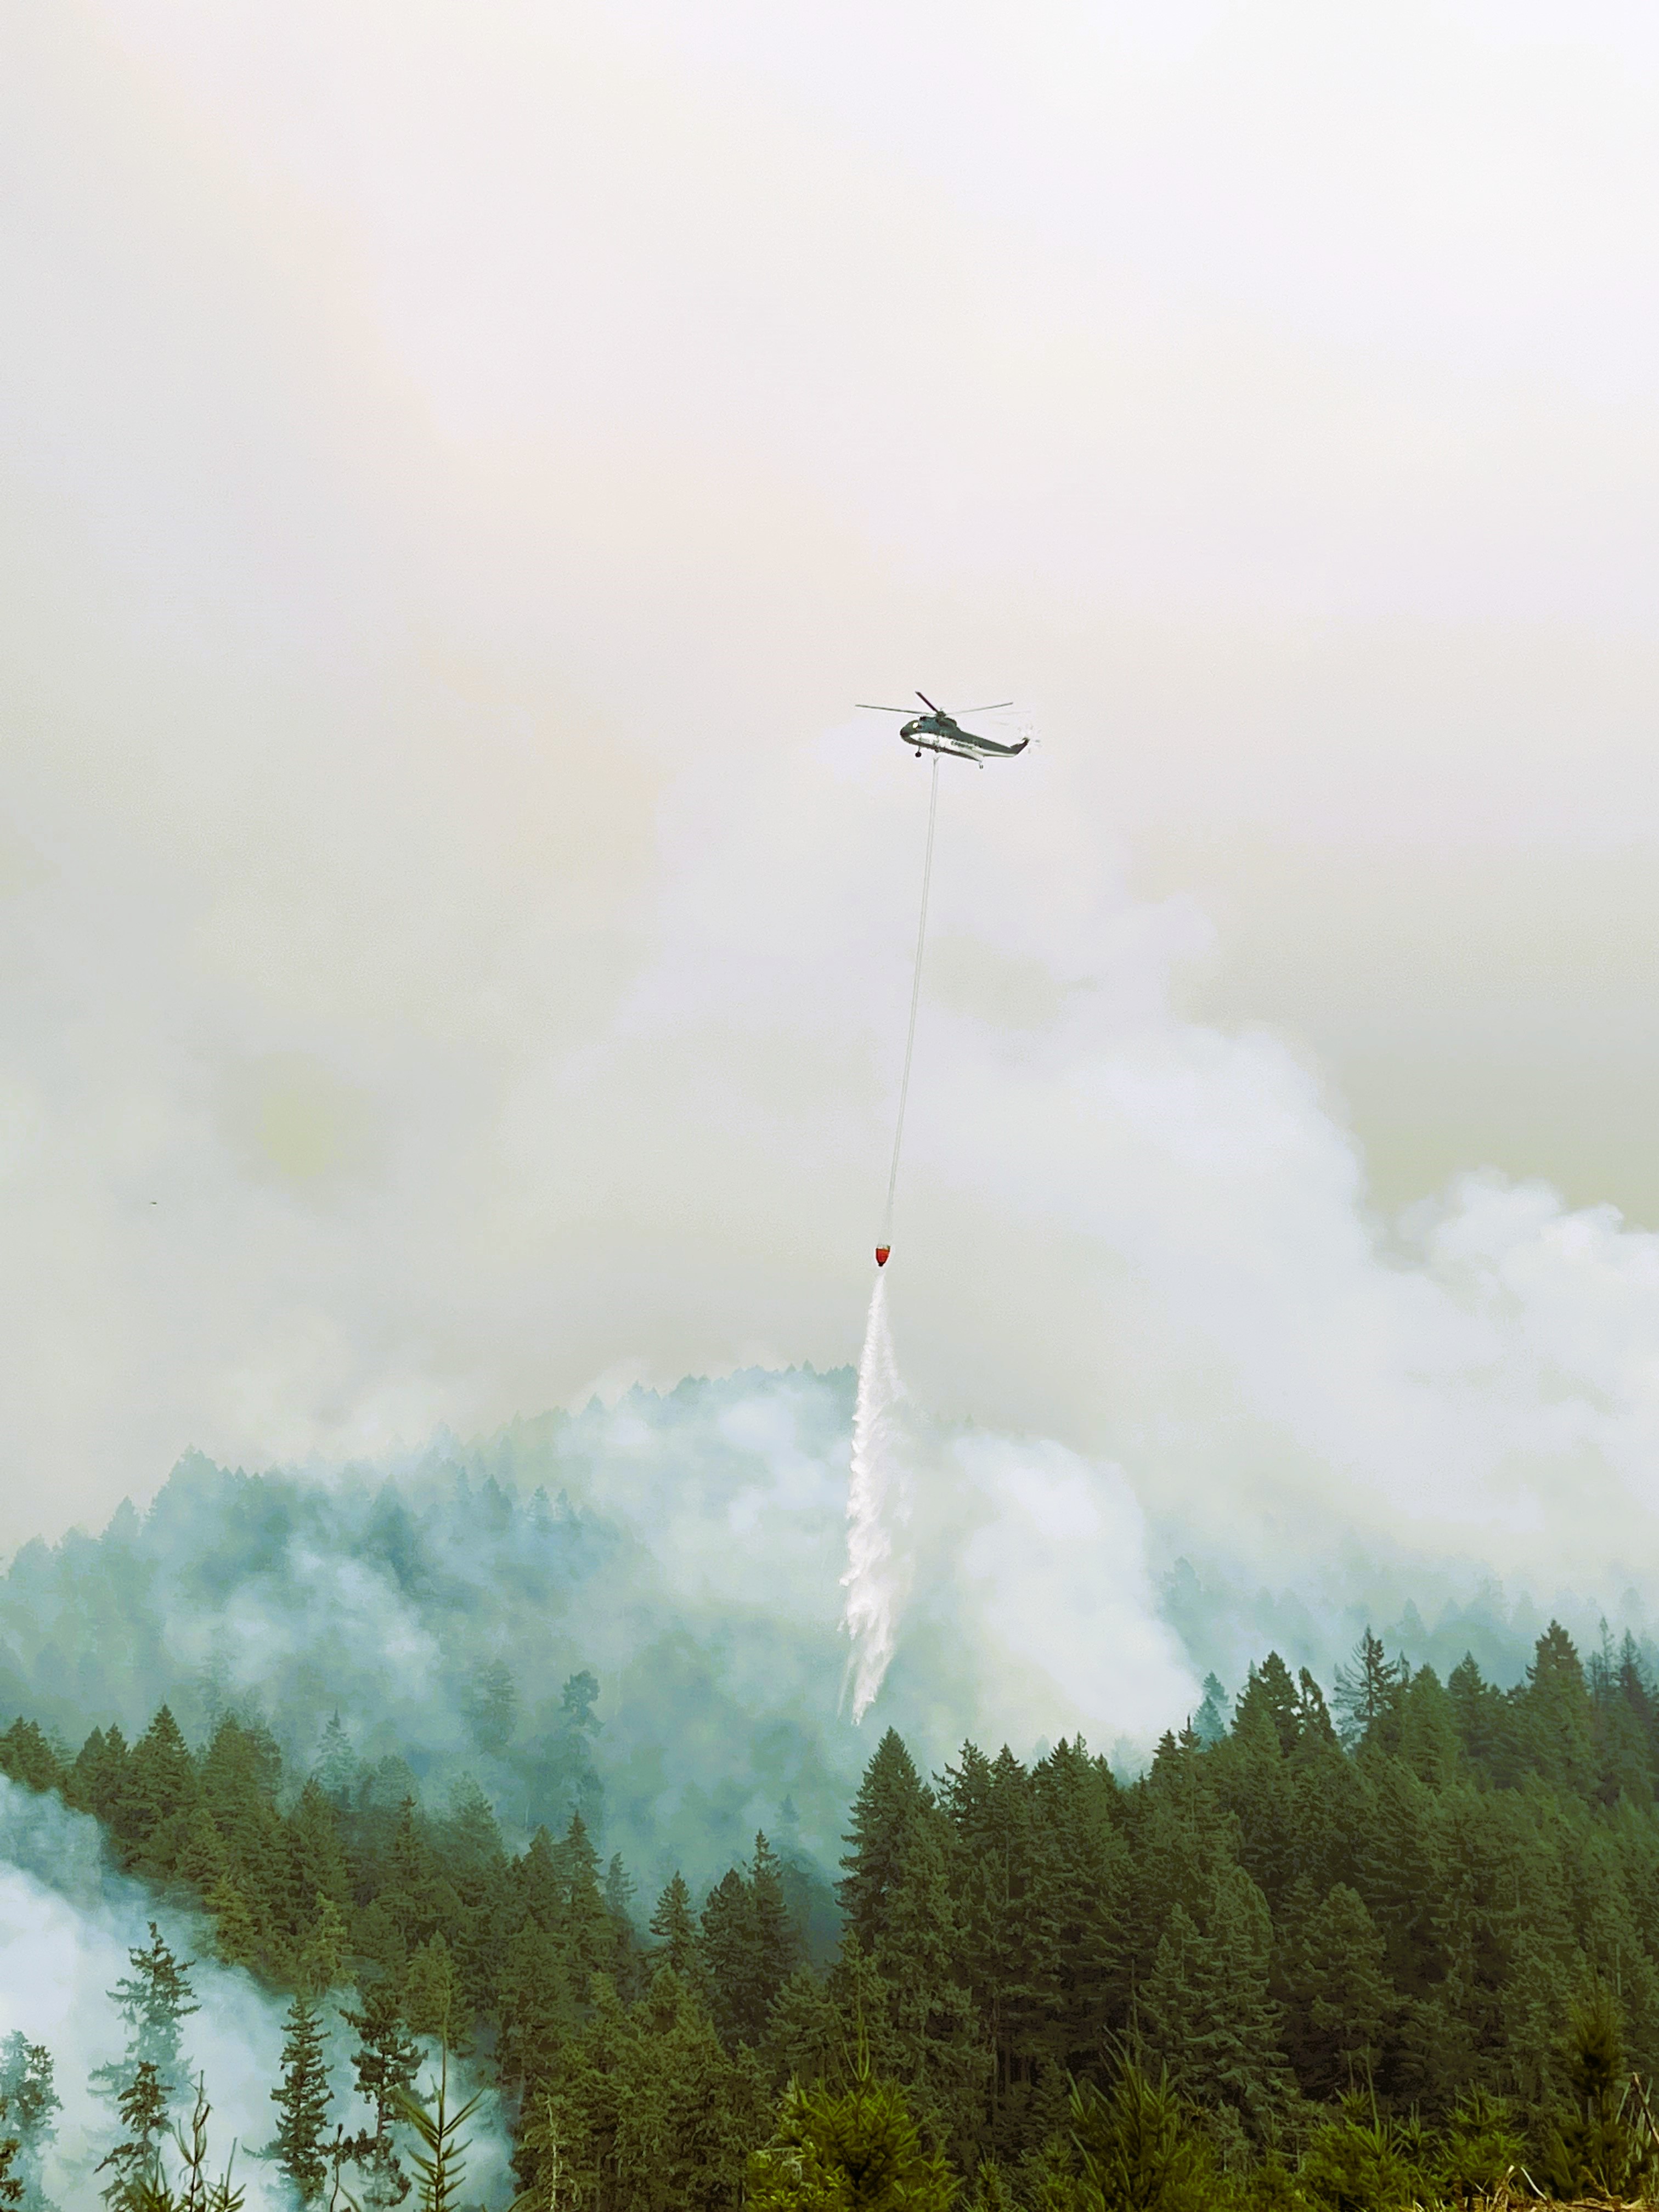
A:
[636, 1611]
[632, 1611]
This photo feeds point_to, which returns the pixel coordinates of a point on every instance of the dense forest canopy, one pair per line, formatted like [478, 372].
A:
[1408, 1933]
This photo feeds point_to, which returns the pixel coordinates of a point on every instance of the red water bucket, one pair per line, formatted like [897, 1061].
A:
[882, 1251]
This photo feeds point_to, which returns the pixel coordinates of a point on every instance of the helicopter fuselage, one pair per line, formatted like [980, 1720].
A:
[939, 734]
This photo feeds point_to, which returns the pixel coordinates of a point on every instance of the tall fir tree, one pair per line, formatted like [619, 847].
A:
[301, 2098]
[153, 2000]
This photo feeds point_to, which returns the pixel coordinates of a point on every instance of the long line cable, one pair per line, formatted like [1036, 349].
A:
[916, 1001]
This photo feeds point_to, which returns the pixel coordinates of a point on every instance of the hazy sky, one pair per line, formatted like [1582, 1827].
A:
[461, 466]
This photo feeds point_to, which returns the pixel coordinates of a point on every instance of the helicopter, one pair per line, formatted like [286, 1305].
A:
[936, 732]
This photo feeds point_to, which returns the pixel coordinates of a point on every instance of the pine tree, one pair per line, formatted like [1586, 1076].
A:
[492, 1708]
[1207, 2010]
[584, 1926]
[727, 1947]
[1209, 1722]
[323, 1949]
[27, 2101]
[1558, 1730]
[1594, 2146]
[136, 2161]
[675, 1933]
[889, 1800]
[1270, 1690]
[1343, 2011]
[1367, 1692]
[153, 2001]
[1428, 1740]
[26, 1757]
[432, 2002]
[620, 1891]
[777, 1946]
[536, 2012]
[383, 2065]
[96, 1781]
[1486, 1724]
[236, 1933]
[858, 2150]
[335, 1769]
[302, 2099]
[159, 1792]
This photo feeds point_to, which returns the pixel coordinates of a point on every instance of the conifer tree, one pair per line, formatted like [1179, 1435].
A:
[858, 2150]
[432, 2003]
[153, 2001]
[1209, 1722]
[323, 1951]
[27, 2101]
[236, 1933]
[158, 1792]
[26, 1757]
[492, 1707]
[584, 1926]
[1595, 2145]
[1558, 1730]
[776, 1939]
[676, 1932]
[1207, 2009]
[1367, 1692]
[890, 1799]
[383, 2065]
[302, 2099]
[335, 1769]
[620, 1891]
[1344, 2011]
[135, 2162]
[95, 1782]
[536, 2012]
[728, 1947]
[1429, 1740]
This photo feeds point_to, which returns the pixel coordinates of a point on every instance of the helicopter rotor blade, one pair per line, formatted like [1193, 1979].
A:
[995, 706]
[928, 703]
[868, 706]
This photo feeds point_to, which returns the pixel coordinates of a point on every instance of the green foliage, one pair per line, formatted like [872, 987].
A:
[1131, 2147]
[853, 2150]
[383, 2065]
[153, 2001]
[1596, 2145]
[135, 2163]
[27, 2101]
[432, 1994]
[196, 2189]
[645, 2107]
[1357, 2161]
[301, 2098]
[1483, 2151]
[440, 2159]
[1345, 1972]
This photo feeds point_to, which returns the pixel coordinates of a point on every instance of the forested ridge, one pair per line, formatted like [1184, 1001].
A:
[1393, 1948]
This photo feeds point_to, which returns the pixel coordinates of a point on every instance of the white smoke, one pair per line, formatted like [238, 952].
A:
[878, 1504]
